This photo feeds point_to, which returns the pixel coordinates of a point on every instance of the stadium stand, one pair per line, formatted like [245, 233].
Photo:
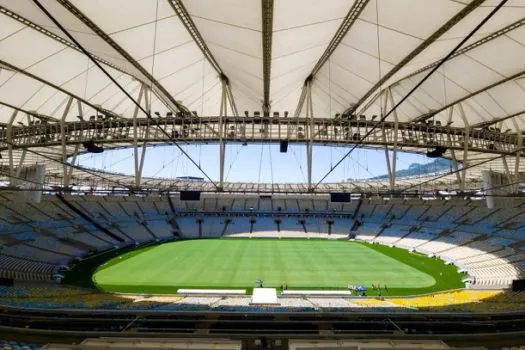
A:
[452, 232]
[54, 297]
[35, 252]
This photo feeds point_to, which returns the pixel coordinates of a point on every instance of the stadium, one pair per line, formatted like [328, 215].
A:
[241, 174]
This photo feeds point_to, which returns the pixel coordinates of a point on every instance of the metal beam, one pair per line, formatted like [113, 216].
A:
[142, 92]
[348, 22]
[51, 35]
[109, 76]
[69, 176]
[33, 113]
[206, 129]
[426, 116]
[518, 156]
[222, 146]
[341, 32]
[508, 175]
[179, 8]
[455, 167]
[387, 158]
[64, 139]
[21, 163]
[156, 86]
[498, 120]
[396, 127]
[482, 41]
[422, 81]
[310, 128]
[56, 87]
[267, 33]
[10, 146]
[466, 142]
[431, 39]
[67, 181]
[300, 103]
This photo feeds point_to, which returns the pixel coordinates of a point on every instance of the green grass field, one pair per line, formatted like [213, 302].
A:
[301, 264]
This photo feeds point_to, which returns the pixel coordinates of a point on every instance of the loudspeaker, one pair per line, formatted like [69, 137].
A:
[190, 195]
[91, 147]
[6, 282]
[437, 152]
[284, 146]
[340, 197]
[518, 285]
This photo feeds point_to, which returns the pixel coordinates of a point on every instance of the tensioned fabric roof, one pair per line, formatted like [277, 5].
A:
[157, 45]
[352, 50]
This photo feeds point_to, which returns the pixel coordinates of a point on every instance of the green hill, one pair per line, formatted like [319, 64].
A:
[417, 169]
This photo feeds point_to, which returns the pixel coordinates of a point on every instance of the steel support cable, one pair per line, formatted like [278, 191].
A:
[148, 115]
[232, 163]
[425, 78]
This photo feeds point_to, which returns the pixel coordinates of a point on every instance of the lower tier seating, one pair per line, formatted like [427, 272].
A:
[54, 296]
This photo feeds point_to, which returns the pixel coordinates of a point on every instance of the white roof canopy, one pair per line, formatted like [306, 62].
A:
[185, 51]
[147, 42]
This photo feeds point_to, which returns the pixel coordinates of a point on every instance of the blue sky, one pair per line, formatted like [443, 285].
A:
[252, 163]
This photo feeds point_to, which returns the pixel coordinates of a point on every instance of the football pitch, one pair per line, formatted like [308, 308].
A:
[300, 264]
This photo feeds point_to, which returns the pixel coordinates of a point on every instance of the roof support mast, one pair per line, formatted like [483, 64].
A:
[508, 174]
[139, 161]
[77, 147]
[309, 145]
[466, 142]
[395, 136]
[10, 145]
[519, 149]
[65, 166]
[222, 144]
